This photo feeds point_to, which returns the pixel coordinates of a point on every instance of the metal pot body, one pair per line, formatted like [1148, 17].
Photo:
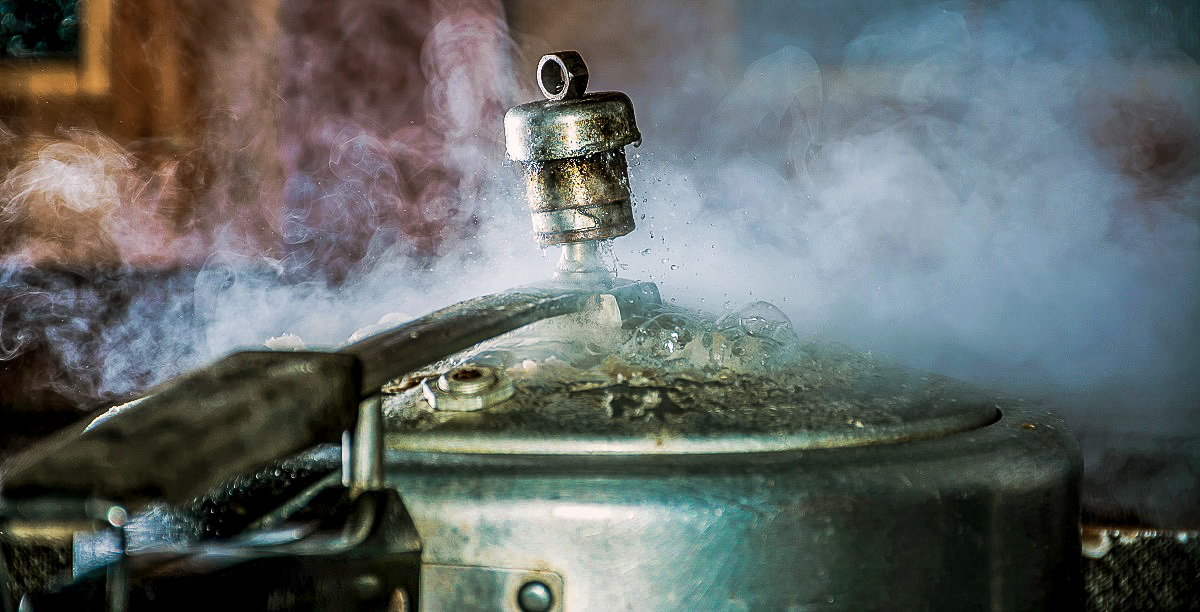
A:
[979, 519]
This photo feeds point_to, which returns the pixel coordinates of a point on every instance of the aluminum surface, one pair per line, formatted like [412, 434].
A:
[736, 467]
[980, 519]
[829, 397]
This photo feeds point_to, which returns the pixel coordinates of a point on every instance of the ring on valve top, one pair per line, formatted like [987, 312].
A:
[572, 148]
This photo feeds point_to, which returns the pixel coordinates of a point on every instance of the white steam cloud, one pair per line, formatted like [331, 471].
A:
[992, 194]
[355, 170]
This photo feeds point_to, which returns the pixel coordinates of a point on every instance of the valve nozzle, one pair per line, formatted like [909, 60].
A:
[576, 178]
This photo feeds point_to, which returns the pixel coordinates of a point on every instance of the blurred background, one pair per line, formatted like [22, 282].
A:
[1005, 192]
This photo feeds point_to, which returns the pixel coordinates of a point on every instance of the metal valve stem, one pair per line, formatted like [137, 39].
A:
[580, 264]
[571, 146]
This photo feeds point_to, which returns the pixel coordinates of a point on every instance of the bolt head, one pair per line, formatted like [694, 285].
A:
[535, 596]
[467, 389]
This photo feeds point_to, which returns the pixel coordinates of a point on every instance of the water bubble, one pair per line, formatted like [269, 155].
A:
[761, 319]
[666, 335]
[756, 325]
[758, 334]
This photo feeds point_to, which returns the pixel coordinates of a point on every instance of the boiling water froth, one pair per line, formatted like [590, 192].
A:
[757, 337]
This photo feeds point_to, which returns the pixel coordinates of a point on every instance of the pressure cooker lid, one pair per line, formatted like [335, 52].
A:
[673, 382]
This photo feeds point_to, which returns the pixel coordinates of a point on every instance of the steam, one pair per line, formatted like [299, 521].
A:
[83, 198]
[992, 194]
[395, 196]
[337, 189]
[1006, 193]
